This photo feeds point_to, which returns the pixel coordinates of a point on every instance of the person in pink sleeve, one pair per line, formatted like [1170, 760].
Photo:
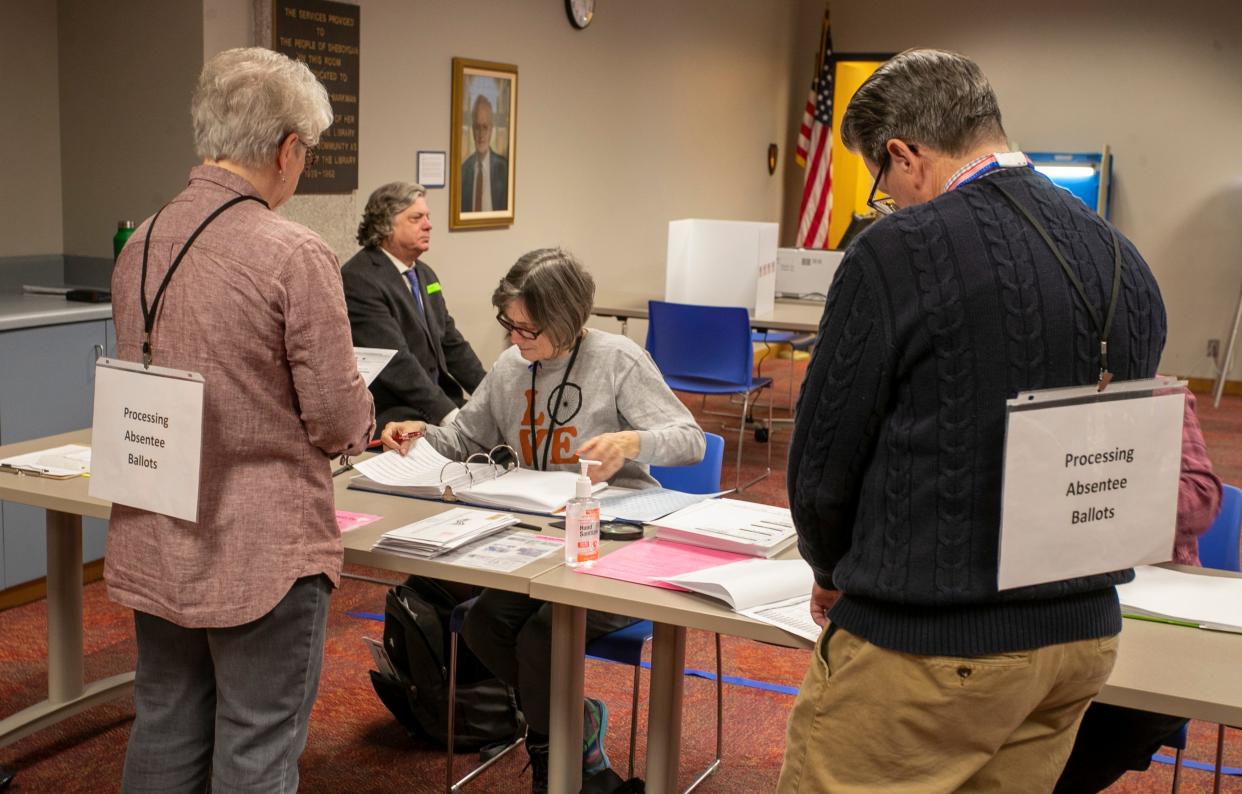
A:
[1112, 740]
[230, 611]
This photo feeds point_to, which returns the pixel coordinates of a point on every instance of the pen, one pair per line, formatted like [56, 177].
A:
[401, 438]
[1171, 621]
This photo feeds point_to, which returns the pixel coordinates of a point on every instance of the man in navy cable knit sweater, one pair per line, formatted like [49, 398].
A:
[927, 678]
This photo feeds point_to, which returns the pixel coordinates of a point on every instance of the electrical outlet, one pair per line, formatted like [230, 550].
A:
[1213, 349]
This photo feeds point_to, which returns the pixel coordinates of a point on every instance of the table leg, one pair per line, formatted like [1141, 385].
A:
[64, 606]
[66, 694]
[668, 662]
[565, 731]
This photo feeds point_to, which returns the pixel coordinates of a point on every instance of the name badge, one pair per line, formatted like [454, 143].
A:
[1090, 483]
[147, 437]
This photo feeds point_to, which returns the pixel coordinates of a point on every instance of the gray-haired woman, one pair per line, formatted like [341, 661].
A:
[560, 392]
[230, 610]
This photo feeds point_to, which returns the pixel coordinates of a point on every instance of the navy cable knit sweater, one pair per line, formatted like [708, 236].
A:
[938, 315]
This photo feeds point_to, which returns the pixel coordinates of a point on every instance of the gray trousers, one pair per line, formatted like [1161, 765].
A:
[512, 634]
[227, 708]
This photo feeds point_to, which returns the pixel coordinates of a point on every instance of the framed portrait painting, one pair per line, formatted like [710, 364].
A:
[484, 144]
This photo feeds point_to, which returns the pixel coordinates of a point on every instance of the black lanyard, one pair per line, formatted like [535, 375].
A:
[1101, 329]
[552, 402]
[148, 313]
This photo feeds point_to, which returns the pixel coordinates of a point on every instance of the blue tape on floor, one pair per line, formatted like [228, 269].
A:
[729, 679]
[1187, 764]
[367, 616]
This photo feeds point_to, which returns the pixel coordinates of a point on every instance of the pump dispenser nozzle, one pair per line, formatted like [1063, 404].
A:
[582, 488]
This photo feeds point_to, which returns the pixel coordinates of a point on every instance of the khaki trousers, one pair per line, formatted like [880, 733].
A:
[873, 720]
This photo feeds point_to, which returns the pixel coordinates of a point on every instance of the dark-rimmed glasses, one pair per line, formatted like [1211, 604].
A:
[510, 328]
[884, 206]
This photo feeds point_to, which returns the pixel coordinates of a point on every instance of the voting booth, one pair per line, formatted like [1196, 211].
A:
[722, 263]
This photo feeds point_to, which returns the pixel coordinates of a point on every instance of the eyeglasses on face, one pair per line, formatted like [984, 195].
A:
[884, 206]
[510, 328]
[311, 156]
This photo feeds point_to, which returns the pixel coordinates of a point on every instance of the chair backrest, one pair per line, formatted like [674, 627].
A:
[1218, 547]
[710, 343]
[702, 477]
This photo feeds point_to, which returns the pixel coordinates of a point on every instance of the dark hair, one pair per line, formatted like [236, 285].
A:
[933, 97]
[385, 204]
[556, 291]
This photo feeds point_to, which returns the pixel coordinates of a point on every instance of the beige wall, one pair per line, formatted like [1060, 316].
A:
[1160, 82]
[126, 73]
[658, 111]
[30, 212]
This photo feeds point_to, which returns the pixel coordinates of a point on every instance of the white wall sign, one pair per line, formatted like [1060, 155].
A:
[146, 437]
[1090, 481]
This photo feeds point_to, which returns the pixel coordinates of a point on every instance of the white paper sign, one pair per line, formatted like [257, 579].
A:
[371, 361]
[146, 437]
[1090, 487]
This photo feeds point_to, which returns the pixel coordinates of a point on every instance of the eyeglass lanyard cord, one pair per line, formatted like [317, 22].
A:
[1100, 329]
[149, 312]
[534, 430]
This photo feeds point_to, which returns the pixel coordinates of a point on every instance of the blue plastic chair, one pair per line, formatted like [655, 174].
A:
[1218, 548]
[625, 646]
[707, 350]
[702, 477]
[1177, 740]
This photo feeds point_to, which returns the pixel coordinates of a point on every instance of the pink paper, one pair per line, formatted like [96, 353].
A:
[347, 520]
[644, 561]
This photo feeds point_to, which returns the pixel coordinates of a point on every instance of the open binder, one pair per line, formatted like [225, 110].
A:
[479, 480]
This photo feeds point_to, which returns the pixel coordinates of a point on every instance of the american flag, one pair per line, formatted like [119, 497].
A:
[814, 152]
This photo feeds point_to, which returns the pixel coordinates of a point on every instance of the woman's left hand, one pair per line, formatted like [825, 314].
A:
[611, 450]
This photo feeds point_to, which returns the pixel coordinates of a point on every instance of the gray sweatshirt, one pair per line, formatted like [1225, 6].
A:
[614, 385]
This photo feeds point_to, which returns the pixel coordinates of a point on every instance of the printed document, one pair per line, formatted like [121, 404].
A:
[777, 592]
[371, 361]
[60, 463]
[507, 551]
[747, 528]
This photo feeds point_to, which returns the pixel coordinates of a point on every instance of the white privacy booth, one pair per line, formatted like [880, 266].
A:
[722, 263]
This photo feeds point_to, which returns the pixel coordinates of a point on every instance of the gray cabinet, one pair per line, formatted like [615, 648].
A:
[47, 385]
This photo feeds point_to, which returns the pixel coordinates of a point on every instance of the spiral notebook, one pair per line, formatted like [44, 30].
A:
[424, 473]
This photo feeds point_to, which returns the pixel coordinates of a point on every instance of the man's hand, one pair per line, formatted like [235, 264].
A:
[822, 600]
[402, 435]
[611, 450]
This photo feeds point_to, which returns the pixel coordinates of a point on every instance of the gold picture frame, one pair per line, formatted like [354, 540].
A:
[483, 144]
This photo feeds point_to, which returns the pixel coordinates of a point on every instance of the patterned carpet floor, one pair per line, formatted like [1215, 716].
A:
[356, 746]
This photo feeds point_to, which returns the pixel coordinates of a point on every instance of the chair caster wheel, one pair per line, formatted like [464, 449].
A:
[761, 435]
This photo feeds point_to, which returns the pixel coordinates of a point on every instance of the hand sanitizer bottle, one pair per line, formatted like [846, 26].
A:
[582, 521]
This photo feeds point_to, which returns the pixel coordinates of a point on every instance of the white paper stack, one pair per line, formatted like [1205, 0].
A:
[730, 525]
[1209, 602]
[443, 533]
[772, 591]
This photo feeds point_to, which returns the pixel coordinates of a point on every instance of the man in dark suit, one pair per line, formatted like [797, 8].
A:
[396, 302]
[484, 174]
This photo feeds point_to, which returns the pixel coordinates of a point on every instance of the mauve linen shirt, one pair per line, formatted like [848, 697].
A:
[256, 307]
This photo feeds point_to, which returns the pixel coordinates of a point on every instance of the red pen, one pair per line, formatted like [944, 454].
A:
[401, 438]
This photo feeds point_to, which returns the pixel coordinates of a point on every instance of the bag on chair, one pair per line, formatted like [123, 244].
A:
[416, 639]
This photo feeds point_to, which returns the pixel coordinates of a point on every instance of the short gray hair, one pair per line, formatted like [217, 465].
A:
[932, 97]
[248, 99]
[555, 289]
[386, 202]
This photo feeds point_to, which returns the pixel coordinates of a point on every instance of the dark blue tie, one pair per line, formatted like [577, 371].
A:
[412, 277]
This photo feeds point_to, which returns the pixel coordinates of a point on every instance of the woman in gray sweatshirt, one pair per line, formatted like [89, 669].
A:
[559, 392]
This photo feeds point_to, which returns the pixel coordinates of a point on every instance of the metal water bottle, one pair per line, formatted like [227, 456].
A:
[123, 230]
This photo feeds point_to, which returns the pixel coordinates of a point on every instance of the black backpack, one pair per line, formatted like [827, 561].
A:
[416, 638]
